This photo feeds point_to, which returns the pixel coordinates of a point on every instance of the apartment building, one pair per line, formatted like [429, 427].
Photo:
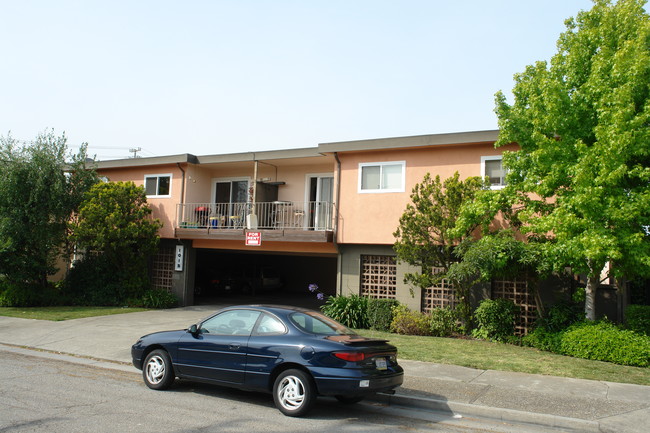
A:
[323, 215]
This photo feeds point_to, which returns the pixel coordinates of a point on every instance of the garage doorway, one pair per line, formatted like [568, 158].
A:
[237, 277]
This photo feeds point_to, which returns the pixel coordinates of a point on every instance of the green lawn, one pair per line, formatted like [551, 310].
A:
[64, 313]
[485, 355]
[464, 352]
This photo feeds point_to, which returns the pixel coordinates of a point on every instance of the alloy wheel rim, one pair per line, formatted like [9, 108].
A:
[155, 370]
[291, 393]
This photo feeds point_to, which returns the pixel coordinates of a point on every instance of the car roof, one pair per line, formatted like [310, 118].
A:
[270, 308]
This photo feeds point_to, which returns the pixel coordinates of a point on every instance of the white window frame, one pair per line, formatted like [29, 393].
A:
[158, 176]
[381, 165]
[492, 158]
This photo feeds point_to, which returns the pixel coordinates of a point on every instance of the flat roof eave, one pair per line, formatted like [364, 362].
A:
[411, 141]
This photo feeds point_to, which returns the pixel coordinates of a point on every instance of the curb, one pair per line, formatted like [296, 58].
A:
[452, 408]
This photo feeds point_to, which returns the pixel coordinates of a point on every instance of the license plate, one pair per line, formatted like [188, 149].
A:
[381, 363]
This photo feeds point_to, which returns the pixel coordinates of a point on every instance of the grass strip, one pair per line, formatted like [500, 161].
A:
[485, 355]
[57, 314]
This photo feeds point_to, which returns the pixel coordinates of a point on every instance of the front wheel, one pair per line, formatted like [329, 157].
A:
[158, 372]
[294, 392]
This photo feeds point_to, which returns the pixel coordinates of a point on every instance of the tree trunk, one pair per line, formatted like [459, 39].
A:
[590, 295]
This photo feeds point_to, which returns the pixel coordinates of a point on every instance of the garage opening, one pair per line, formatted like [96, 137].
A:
[239, 277]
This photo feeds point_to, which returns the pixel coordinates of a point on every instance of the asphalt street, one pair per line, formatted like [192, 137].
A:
[429, 390]
[48, 395]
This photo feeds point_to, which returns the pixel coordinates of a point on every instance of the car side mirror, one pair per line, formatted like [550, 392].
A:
[193, 330]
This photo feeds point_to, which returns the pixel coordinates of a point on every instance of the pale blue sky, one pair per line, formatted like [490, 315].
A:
[207, 77]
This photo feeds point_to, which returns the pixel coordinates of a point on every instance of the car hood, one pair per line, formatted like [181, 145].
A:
[166, 335]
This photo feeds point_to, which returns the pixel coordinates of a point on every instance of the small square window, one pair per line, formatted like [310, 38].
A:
[382, 177]
[158, 185]
[492, 168]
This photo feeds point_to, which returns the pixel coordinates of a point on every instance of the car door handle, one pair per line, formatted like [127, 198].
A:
[233, 346]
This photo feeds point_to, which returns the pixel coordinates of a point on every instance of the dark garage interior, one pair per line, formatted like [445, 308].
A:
[223, 276]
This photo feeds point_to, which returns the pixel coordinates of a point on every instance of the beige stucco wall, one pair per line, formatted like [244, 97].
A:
[200, 179]
[371, 218]
[349, 278]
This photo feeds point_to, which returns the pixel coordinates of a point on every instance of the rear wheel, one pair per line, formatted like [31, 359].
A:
[349, 399]
[158, 372]
[294, 393]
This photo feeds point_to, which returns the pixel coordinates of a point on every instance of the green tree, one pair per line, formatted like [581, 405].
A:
[582, 124]
[39, 192]
[115, 224]
[425, 237]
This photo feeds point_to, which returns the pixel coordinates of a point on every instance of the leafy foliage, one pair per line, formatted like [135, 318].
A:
[603, 341]
[637, 318]
[29, 295]
[408, 322]
[425, 237]
[39, 193]
[582, 172]
[443, 322]
[496, 255]
[115, 225]
[560, 316]
[96, 281]
[157, 298]
[495, 319]
[380, 313]
[351, 311]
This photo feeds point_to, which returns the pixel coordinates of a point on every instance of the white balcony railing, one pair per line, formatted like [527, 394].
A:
[277, 215]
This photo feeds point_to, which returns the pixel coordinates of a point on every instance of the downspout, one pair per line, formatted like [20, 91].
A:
[339, 265]
[182, 202]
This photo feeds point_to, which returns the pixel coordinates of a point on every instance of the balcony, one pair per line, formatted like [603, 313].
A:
[278, 221]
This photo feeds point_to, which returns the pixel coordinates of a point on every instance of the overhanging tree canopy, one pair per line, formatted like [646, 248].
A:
[583, 124]
[39, 192]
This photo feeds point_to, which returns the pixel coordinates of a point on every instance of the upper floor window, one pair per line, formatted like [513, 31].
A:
[158, 185]
[382, 176]
[492, 167]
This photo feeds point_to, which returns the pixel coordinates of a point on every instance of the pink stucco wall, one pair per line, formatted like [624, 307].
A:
[163, 208]
[371, 218]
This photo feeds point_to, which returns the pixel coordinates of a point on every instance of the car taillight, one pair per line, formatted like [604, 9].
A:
[350, 356]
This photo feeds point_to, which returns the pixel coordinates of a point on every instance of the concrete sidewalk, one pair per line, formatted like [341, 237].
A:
[553, 402]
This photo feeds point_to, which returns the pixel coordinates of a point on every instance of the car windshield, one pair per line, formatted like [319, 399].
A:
[316, 323]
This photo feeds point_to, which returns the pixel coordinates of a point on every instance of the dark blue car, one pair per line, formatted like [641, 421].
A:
[292, 352]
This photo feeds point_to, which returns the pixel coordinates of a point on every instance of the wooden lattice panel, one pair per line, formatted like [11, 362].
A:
[439, 296]
[379, 276]
[162, 269]
[517, 291]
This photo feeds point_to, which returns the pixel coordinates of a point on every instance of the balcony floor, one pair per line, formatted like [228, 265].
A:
[282, 235]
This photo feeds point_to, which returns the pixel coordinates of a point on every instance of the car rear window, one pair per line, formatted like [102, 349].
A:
[316, 323]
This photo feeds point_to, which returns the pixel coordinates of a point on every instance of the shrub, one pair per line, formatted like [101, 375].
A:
[380, 313]
[495, 319]
[158, 298]
[603, 341]
[560, 316]
[443, 322]
[543, 339]
[95, 281]
[637, 318]
[351, 311]
[29, 295]
[409, 322]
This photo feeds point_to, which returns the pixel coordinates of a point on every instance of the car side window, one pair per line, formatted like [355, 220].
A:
[232, 322]
[270, 325]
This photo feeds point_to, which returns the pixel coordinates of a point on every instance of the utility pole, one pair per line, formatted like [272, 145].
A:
[135, 152]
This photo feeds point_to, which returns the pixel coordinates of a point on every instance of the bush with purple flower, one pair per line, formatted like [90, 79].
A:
[314, 289]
